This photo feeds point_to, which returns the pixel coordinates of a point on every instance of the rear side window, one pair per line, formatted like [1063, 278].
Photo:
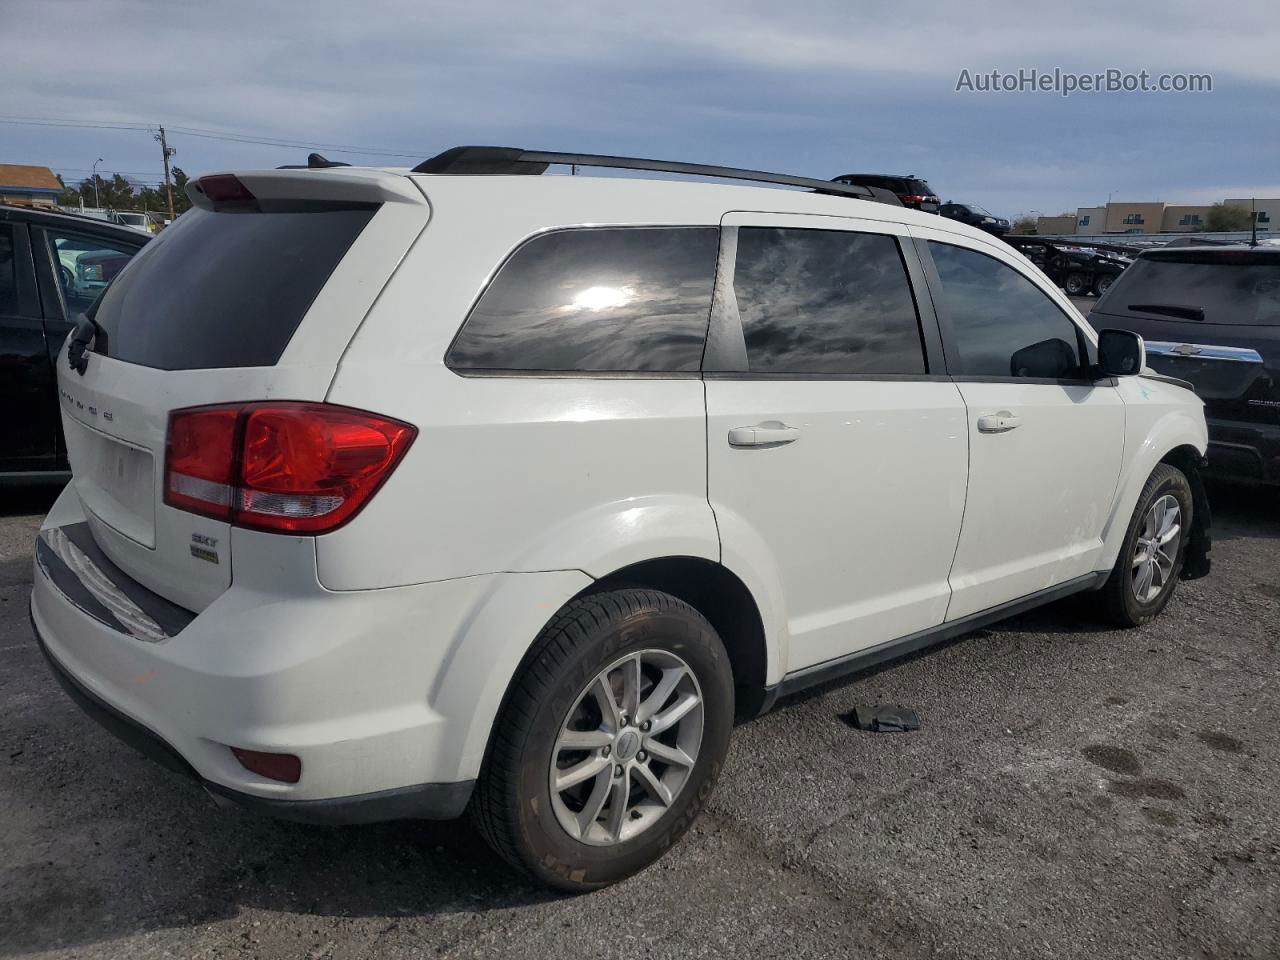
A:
[1241, 292]
[631, 299]
[825, 302]
[225, 289]
[86, 264]
[1002, 324]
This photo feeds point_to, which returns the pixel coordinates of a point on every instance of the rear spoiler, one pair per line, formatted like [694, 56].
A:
[340, 184]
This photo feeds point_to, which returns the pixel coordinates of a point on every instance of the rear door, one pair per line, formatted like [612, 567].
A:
[237, 301]
[836, 448]
[28, 426]
[1045, 441]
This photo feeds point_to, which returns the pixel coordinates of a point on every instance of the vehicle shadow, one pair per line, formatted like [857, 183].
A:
[101, 844]
[170, 860]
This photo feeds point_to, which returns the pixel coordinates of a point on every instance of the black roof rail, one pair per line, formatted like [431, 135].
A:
[514, 160]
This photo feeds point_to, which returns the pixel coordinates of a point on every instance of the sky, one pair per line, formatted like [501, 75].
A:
[810, 87]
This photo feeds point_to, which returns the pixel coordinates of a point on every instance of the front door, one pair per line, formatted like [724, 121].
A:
[1045, 440]
[836, 461]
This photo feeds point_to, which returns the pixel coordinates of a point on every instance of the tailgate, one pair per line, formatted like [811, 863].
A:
[251, 301]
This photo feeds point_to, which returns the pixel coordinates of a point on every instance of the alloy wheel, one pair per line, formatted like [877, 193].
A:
[626, 748]
[1157, 548]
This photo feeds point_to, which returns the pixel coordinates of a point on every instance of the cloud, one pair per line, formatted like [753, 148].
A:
[816, 87]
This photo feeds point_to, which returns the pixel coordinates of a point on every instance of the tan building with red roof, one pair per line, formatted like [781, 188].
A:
[28, 186]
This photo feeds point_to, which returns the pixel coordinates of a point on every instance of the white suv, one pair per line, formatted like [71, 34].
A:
[397, 492]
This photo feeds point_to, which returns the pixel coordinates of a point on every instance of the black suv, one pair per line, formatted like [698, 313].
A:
[975, 216]
[912, 191]
[52, 268]
[1211, 316]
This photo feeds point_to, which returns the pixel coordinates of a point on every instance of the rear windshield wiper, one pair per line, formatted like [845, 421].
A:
[1170, 310]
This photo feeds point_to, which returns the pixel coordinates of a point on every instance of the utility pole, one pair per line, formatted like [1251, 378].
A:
[95, 183]
[168, 152]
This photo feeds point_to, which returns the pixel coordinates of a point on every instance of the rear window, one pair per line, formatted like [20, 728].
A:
[225, 289]
[631, 299]
[1233, 293]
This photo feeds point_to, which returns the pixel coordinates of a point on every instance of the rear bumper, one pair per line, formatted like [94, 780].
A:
[428, 801]
[386, 696]
[1243, 450]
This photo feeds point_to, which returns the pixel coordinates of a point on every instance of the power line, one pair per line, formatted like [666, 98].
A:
[205, 134]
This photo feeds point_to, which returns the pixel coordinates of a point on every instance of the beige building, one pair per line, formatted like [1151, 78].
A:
[1268, 212]
[1150, 217]
[1181, 218]
[1090, 220]
[1055, 226]
[1133, 217]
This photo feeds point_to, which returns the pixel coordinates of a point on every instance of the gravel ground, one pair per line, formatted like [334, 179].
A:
[1074, 792]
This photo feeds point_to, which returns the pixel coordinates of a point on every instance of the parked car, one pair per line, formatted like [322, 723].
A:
[513, 528]
[1077, 268]
[909, 189]
[975, 216]
[52, 267]
[1216, 311]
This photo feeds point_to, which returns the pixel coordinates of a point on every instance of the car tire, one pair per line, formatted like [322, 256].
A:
[608, 825]
[1103, 283]
[1075, 284]
[1129, 599]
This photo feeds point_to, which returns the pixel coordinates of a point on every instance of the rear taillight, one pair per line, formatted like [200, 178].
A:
[282, 466]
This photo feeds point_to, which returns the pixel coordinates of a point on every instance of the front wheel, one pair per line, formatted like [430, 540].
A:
[1075, 284]
[1155, 545]
[1103, 283]
[610, 741]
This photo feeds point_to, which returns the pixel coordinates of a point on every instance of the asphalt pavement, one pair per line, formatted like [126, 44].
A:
[1074, 792]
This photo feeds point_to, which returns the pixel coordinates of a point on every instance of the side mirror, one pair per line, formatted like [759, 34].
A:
[1121, 353]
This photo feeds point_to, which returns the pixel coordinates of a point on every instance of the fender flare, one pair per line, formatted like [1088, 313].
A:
[1177, 429]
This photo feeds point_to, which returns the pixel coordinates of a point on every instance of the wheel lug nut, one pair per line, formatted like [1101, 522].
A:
[607, 749]
[646, 726]
[642, 756]
[617, 771]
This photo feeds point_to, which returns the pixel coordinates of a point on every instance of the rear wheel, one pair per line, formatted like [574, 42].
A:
[1103, 283]
[1150, 562]
[1075, 284]
[610, 741]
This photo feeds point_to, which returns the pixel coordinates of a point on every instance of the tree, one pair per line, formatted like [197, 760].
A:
[1024, 225]
[1222, 217]
[70, 196]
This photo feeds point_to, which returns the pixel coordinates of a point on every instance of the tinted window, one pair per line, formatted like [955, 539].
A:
[86, 263]
[1002, 324]
[1228, 292]
[825, 301]
[224, 289]
[8, 274]
[610, 299]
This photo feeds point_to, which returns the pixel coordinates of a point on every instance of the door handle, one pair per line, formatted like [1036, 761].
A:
[1001, 422]
[771, 433]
